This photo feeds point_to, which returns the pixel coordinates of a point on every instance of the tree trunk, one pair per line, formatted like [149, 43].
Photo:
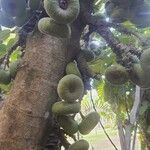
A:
[26, 113]
[26, 110]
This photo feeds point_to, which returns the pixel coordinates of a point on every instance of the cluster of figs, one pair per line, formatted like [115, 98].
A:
[70, 90]
[138, 74]
[61, 14]
[136, 11]
[6, 75]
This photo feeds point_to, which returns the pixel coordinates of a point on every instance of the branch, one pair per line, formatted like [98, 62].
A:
[119, 27]
[125, 53]
[85, 71]
[83, 66]
[127, 31]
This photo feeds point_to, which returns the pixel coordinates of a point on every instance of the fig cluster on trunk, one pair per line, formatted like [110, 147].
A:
[70, 89]
[138, 73]
[61, 13]
[9, 73]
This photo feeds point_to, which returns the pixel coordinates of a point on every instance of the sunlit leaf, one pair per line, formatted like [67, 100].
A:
[4, 34]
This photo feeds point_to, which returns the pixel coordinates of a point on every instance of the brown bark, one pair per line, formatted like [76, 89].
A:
[25, 112]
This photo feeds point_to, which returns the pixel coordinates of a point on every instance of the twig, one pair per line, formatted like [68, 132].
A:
[63, 139]
[101, 122]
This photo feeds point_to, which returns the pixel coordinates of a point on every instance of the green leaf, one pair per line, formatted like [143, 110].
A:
[15, 55]
[2, 49]
[144, 107]
[4, 34]
[11, 42]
